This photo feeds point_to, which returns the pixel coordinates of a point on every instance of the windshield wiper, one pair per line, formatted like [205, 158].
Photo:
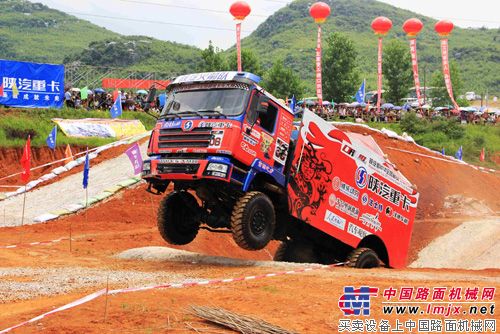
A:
[190, 112]
[213, 111]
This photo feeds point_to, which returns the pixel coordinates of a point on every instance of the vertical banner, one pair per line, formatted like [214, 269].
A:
[31, 85]
[446, 71]
[379, 74]
[319, 85]
[238, 45]
[134, 154]
[414, 63]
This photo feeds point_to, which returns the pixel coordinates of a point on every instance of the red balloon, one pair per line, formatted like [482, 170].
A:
[412, 27]
[319, 12]
[381, 25]
[444, 27]
[240, 10]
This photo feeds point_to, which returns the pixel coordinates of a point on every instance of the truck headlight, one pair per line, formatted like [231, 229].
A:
[146, 166]
[215, 167]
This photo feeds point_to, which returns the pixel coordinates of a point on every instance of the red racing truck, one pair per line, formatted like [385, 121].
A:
[238, 164]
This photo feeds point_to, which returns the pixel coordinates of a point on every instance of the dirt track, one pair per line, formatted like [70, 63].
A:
[303, 302]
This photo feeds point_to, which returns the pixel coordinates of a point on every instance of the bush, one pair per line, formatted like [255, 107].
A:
[413, 125]
[450, 127]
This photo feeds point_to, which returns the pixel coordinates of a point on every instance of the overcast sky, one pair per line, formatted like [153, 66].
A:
[166, 20]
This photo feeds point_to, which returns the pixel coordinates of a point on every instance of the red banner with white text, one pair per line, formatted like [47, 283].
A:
[414, 63]
[238, 45]
[117, 83]
[446, 71]
[319, 85]
[379, 73]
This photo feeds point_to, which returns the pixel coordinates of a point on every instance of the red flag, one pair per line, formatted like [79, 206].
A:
[482, 156]
[26, 161]
[68, 154]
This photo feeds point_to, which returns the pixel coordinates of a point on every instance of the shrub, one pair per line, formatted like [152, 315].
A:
[413, 125]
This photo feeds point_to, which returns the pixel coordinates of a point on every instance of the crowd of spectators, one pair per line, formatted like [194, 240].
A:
[99, 99]
[362, 113]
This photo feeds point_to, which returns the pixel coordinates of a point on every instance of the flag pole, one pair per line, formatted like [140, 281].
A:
[22, 215]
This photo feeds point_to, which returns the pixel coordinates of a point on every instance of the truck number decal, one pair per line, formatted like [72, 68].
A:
[216, 140]
[281, 151]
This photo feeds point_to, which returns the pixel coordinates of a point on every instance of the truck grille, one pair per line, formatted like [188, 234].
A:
[172, 138]
[178, 168]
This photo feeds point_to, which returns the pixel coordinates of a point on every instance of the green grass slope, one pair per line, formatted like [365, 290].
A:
[290, 33]
[34, 32]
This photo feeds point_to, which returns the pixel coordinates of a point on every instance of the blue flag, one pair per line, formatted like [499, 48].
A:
[293, 103]
[458, 155]
[360, 94]
[116, 109]
[86, 168]
[51, 139]
[443, 152]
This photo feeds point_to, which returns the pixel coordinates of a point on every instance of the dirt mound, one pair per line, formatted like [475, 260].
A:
[472, 245]
[458, 204]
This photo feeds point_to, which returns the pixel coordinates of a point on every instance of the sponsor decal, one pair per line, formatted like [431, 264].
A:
[376, 205]
[216, 139]
[172, 124]
[208, 76]
[265, 167]
[388, 211]
[199, 150]
[362, 158]
[250, 140]
[357, 301]
[265, 144]
[371, 221]
[388, 193]
[400, 217]
[336, 183]
[280, 151]
[188, 126]
[246, 148]
[222, 125]
[332, 200]
[223, 152]
[361, 177]
[364, 199]
[178, 161]
[254, 133]
[357, 231]
[334, 220]
[345, 189]
[347, 208]
[384, 170]
[348, 150]
[181, 150]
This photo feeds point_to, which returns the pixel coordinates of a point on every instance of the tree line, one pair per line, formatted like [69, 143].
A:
[341, 72]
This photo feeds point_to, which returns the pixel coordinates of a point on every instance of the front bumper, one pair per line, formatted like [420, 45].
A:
[171, 169]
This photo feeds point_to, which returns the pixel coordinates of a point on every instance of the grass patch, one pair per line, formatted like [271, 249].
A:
[17, 124]
[450, 135]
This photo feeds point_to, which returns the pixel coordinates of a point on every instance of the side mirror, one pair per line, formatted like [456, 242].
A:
[151, 95]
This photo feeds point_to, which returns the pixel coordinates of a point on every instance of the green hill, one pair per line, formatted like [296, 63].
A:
[34, 32]
[290, 33]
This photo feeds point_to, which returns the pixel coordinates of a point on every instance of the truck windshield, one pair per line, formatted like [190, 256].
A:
[226, 101]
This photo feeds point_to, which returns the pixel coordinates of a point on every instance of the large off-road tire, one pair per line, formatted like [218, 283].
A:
[177, 220]
[253, 221]
[363, 258]
[296, 251]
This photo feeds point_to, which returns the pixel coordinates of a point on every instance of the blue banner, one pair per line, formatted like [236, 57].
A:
[31, 85]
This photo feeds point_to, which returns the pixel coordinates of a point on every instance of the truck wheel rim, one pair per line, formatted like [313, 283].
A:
[258, 223]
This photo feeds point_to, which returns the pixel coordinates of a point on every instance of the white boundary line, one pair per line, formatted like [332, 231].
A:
[102, 292]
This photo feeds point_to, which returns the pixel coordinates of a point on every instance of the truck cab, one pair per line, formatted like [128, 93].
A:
[225, 139]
